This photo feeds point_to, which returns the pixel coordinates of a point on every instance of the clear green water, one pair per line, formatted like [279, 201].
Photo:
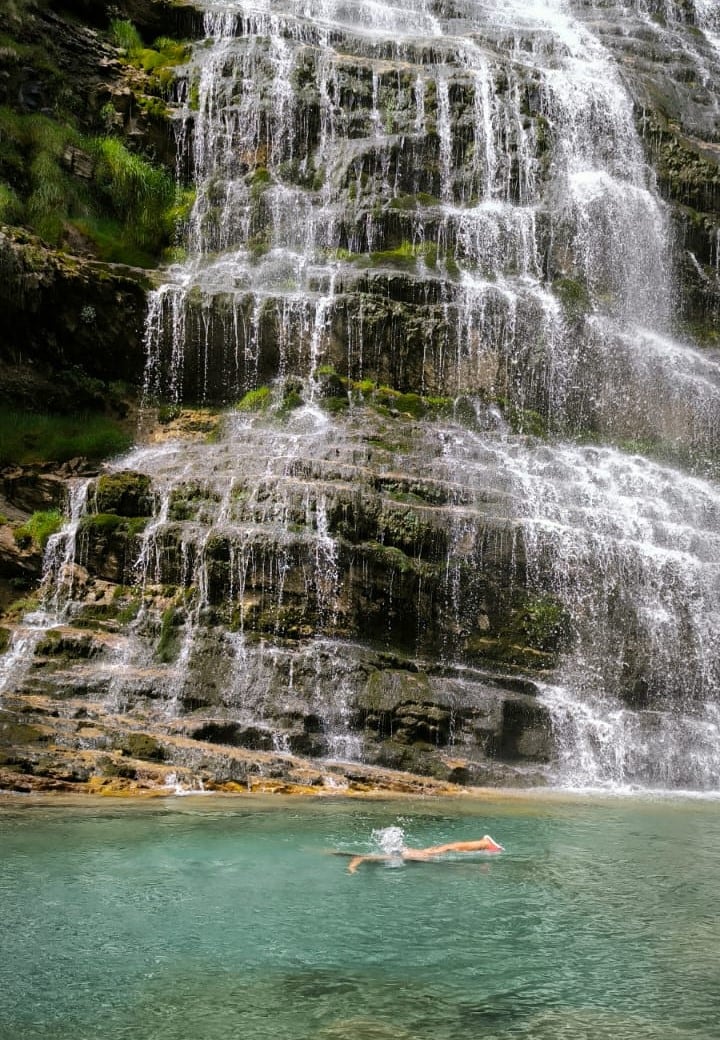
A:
[220, 919]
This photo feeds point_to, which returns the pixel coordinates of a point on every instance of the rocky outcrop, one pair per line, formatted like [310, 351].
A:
[75, 325]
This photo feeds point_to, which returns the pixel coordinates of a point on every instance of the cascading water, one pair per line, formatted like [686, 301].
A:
[56, 592]
[453, 200]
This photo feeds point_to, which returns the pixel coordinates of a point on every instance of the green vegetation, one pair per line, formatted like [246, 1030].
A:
[573, 296]
[259, 180]
[292, 398]
[69, 185]
[410, 202]
[166, 644]
[255, 400]
[38, 528]
[54, 180]
[141, 195]
[525, 420]
[406, 255]
[168, 413]
[126, 493]
[158, 61]
[129, 611]
[106, 524]
[394, 402]
[140, 745]
[126, 36]
[543, 624]
[27, 437]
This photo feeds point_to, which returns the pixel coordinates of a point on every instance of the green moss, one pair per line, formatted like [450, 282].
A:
[26, 437]
[135, 525]
[573, 296]
[543, 623]
[164, 54]
[194, 95]
[106, 524]
[38, 528]
[141, 745]
[403, 202]
[292, 398]
[255, 400]
[527, 421]
[389, 557]
[129, 611]
[405, 255]
[335, 405]
[167, 413]
[12, 732]
[110, 768]
[259, 181]
[5, 636]
[100, 523]
[166, 648]
[126, 492]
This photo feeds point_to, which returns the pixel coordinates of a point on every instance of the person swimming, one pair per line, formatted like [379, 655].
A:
[484, 844]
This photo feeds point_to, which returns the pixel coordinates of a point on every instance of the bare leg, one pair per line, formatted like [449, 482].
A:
[485, 844]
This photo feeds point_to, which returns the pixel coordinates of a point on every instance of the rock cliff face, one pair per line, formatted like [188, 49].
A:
[456, 268]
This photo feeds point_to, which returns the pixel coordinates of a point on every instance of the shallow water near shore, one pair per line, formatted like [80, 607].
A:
[219, 918]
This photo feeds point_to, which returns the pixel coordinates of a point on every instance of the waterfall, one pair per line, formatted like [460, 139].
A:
[551, 263]
[56, 594]
[444, 207]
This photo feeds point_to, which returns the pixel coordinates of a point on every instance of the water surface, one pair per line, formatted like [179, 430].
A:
[202, 919]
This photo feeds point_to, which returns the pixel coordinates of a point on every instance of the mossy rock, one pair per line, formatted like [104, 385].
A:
[106, 524]
[234, 735]
[330, 384]
[142, 746]
[5, 638]
[13, 732]
[71, 646]
[509, 653]
[111, 768]
[167, 644]
[257, 400]
[386, 689]
[543, 623]
[125, 494]
[574, 296]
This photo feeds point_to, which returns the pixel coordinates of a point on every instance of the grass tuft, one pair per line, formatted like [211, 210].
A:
[38, 528]
[27, 438]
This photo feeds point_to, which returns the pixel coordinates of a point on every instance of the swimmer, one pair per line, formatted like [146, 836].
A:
[485, 844]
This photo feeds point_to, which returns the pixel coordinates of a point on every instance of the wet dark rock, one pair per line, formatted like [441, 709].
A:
[32, 491]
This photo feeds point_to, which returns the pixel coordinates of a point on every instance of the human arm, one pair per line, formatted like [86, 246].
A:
[357, 860]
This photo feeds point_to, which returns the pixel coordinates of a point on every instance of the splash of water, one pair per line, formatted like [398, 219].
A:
[390, 840]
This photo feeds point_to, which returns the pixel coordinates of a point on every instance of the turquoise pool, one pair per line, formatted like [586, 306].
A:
[215, 919]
